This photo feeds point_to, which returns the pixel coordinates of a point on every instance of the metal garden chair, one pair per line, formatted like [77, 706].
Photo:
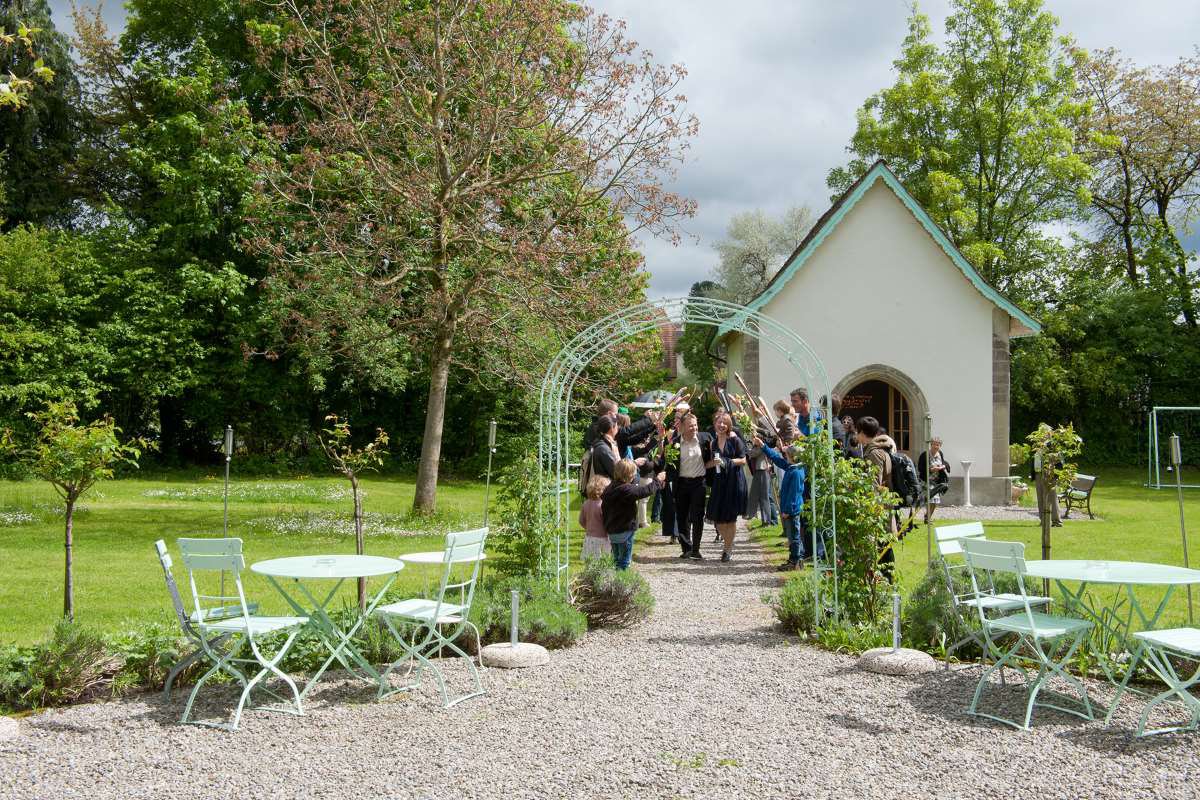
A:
[1051, 641]
[429, 615]
[214, 622]
[949, 544]
[186, 622]
[1158, 648]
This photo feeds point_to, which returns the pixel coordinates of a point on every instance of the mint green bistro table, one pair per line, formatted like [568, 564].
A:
[1115, 620]
[297, 571]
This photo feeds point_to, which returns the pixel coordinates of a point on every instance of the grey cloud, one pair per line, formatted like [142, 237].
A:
[776, 87]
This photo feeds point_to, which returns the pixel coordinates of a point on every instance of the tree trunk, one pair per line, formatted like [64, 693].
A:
[1130, 254]
[425, 500]
[68, 579]
[358, 541]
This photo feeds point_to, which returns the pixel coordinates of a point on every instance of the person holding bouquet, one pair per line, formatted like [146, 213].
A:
[728, 498]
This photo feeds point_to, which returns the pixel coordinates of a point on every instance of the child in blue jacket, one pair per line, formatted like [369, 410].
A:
[791, 500]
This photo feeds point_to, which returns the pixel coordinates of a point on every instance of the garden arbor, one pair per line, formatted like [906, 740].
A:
[559, 449]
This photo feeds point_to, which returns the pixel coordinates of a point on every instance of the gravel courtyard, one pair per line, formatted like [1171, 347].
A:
[704, 700]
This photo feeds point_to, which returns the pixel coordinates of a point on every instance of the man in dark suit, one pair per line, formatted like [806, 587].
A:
[689, 489]
[627, 436]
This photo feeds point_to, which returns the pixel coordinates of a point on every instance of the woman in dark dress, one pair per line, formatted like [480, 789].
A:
[728, 498]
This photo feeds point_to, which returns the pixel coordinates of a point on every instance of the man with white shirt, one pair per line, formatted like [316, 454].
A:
[695, 453]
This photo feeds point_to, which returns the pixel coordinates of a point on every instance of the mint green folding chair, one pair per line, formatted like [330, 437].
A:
[949, 545]
[1158, 648]
[187, 623]
[214, 622]
[1050, 641]
[438, 621]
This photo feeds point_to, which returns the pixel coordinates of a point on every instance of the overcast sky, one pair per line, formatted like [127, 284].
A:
[776, 83]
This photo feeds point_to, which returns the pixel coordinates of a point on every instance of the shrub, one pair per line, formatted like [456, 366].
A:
[547, 616]
[929, 621]
[794, 603]
[847, 486]
[519, 542]
[147, 654]
[611, 598]
[72, 666]
[852, 638]
[794, 610]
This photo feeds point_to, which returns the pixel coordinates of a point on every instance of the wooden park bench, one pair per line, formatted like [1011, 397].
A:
[1079, 495]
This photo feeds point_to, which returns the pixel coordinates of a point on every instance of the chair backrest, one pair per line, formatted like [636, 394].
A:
[950, 537]
[164, 558]
[988, 557]
[216, 556]
[462, 547]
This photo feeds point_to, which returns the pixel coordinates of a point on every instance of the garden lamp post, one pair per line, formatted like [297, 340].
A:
[488, 485]
[228, 449]
[1177, 462]
[928, 499]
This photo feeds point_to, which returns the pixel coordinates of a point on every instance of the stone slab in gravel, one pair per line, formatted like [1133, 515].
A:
[704, 700]
[518, 656]
[903, 661]
[9, 728]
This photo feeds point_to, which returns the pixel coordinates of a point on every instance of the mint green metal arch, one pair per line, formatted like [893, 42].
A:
[556, 452]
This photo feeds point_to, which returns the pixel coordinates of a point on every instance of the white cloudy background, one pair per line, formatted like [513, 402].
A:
[776, 85]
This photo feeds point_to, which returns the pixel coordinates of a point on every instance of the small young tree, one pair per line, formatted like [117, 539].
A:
[73, 458]
[1056, 447]
[352, 461]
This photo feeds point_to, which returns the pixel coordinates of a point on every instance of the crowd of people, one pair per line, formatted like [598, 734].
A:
[687, 475]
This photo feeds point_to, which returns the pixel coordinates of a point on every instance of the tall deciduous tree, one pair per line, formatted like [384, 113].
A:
[458, 177]
[1109, 138]
[981, 130]
[755, 247]
[40, 117]
[1143, 142]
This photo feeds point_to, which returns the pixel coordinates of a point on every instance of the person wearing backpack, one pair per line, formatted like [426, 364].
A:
[878, 449]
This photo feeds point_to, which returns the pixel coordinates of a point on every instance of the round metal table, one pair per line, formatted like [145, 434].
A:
[1114, 621]
[338, 568]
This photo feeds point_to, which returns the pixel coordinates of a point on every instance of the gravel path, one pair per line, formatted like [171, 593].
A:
[704, 700]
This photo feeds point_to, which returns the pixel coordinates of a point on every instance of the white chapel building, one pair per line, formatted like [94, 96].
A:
[903, 324]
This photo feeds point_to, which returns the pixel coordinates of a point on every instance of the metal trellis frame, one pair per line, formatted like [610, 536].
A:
[556, 485]
[1153, 459]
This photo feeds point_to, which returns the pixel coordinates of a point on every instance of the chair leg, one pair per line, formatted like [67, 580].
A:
[478, 641]
[187, 661]
[220, 664]
[412, 655]
[1161, 665]
[183, 664]
[271, 666]
[474, 673]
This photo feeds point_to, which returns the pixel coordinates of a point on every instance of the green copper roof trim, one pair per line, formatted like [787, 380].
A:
[880, 170]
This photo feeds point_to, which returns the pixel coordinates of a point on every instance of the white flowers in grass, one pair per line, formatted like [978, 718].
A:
[258, 492]
[329, 524]
[10, 519]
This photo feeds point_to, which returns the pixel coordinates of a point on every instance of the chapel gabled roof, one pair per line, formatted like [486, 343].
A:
[836, 212]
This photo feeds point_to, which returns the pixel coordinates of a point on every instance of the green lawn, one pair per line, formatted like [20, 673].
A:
[1134, 524]
[118, 579]
[117, 575]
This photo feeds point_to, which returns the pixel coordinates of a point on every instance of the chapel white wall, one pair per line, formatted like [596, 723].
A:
[867, 295]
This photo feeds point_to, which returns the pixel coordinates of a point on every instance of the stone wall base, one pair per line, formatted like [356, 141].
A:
[995, 491]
